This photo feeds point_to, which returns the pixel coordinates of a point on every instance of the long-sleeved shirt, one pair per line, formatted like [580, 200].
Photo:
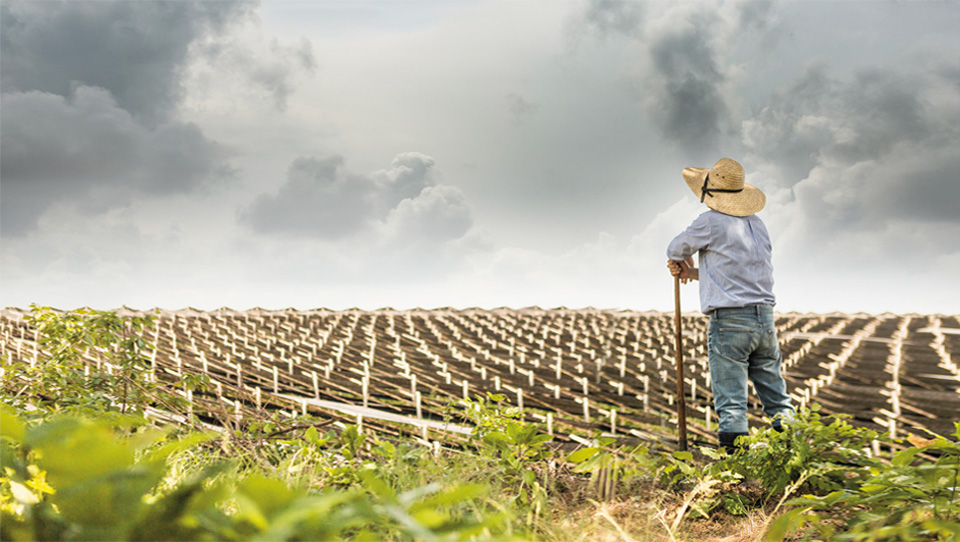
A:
[735, 260]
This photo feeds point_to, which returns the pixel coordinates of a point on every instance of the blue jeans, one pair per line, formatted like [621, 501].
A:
[742, 343]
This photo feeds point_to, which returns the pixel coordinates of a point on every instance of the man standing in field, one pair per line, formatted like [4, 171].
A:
[736, 290]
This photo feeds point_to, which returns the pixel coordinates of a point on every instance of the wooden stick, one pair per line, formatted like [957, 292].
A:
[681, 410]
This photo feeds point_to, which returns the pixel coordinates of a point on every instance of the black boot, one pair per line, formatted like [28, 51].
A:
[727, 441]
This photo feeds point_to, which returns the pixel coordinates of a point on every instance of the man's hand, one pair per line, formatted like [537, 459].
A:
[685, 270]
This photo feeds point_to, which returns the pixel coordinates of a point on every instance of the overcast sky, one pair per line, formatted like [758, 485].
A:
[471, 153]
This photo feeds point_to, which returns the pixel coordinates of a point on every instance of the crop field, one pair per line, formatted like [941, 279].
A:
[576, 372]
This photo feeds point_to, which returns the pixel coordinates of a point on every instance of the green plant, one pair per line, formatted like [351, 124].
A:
[907, 499]
[810, 453]
[516, 446]
[71, 478]
[91, 361]
[610, 466]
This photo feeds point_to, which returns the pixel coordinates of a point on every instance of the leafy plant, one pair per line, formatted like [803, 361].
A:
[74, 479]
[810, 453]
[907, 499]
[515, 445]
[91, 361]
[611, 466]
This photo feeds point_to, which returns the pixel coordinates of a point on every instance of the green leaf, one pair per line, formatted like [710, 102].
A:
[10, 425]
[787, 522]
[408, 498]
[429, 517]
[161, 454]
[943, 527]
[74, 450]
[833, 497]
[190, 509]
[269, 495]
[581, 455]
[321, 517]
[514, 430]
[311, 435]
[455, 495]
[683, 456]
[497, 440]
[904, 457]
[873, 488]
[539, 440]
[377, 486]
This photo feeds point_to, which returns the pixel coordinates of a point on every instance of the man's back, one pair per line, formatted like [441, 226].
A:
[735, 260]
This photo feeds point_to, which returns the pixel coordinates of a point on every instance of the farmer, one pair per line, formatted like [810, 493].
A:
[736, 290]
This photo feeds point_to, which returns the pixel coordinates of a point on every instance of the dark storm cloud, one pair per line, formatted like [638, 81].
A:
[784, 134]
[872, 153]
[136, 50]
[89, 152]
[90, 91]
[683, 70]
[683, 91]
[321, 199]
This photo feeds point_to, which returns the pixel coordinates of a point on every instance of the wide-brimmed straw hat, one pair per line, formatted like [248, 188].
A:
[722, 188]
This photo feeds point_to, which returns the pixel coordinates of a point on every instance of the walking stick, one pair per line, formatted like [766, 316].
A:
[681, 408]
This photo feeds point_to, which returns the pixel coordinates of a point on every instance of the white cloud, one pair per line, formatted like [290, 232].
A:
[437, 214]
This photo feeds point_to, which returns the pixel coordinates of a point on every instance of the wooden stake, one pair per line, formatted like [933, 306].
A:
[681, 407]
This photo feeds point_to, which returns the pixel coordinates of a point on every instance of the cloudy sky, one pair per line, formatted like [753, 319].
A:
[470, 153]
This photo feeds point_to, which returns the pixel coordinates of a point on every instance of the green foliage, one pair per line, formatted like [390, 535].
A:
[92, 362]
[811, 453]
[610, 465]
[74, 479]
[500, 432]
[489, 413]
[907, 499]
[517, 447]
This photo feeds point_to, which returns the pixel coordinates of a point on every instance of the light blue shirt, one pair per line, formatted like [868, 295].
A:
[735, 260]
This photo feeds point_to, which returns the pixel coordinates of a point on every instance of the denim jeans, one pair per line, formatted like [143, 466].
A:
[742, 343]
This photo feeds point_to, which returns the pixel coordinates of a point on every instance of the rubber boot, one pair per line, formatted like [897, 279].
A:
[727, 441]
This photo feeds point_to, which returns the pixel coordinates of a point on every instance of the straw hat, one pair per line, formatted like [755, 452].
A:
[722, 188]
